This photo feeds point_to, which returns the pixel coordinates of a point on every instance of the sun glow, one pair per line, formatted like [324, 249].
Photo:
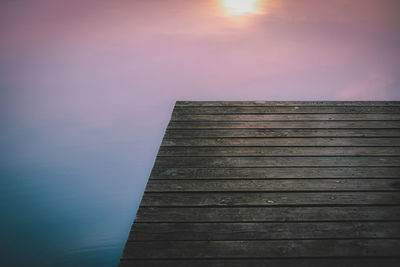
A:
[241, 7]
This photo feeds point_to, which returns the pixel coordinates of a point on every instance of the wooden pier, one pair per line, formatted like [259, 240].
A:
[273, 184]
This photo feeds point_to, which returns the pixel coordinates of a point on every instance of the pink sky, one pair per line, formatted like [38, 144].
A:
[102, 60]
[89, 85]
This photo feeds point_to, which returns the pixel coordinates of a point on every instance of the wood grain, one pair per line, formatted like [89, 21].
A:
[260, 199]
[275, 173]
[263, 183]
[267, 249]
[269, 185]
[240, 162]
[278, 151]
[286, 103]
[282, 133]
[268, 214]
[287, 117]
[277, 262]
[196, 133]
[391, 142]
[286, 109]
[283, 124]
[263, 231]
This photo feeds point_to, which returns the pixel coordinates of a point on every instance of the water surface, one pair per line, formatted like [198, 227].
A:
[87, 88]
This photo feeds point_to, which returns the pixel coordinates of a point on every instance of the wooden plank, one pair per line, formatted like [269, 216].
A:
[260, 199]
[273, 185]
[267, 214]
[258, 248]
[293, 262]
[283, 124]
[275, 173]
[286, 117]
[284, 103]
[286, 109]
[278, 151]
[196, 133]
[282, 142]
[263, 231]
[237, 162]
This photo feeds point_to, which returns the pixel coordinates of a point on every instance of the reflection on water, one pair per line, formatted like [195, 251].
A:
[86, 94]
[241, 7]
[71, 203]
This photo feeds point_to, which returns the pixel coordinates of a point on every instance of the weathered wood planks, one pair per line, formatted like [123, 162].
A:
[273, 185]
[286, 117]
[262, 199]
[286, 109]
[263, 231]
[276, 262]
[282, 142]
[277, 151]
[261, 183]
[287, 103]
[267, 214]
[267, 125]
[294, 161]
[177, 134]
[275, 173]
[267, 249]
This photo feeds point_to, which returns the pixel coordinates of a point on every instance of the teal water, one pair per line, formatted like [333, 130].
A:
[70, 199]
[87, 88]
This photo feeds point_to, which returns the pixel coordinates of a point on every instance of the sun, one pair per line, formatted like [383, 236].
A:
[240, 7]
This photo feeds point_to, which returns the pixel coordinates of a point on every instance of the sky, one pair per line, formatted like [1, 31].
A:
[87, 88]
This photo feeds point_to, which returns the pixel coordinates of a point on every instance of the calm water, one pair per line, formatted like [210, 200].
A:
[71, 202]
[87, 88]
